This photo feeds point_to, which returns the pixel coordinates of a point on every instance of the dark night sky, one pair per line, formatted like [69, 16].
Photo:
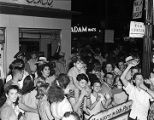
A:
[115, 13]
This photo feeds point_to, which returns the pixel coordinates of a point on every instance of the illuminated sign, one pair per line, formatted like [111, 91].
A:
[137, 29]
[82, 29]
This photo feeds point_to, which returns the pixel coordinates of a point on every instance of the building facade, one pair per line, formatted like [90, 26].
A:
[41, 23]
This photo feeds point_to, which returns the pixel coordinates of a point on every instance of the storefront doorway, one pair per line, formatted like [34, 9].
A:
[40, 40]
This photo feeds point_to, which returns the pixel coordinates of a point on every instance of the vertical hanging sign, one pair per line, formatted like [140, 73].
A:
[137, 9]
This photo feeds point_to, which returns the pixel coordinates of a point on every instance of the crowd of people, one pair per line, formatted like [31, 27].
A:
[38, 89]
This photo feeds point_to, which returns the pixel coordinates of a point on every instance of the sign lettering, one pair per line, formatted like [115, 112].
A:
[137, 29]
[41, 2]
[113, 112]
[81, 29]
[137, 9]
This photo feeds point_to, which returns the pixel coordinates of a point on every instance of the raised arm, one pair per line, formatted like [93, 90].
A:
[123, 76]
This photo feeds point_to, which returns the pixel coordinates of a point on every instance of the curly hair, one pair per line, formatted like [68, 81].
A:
[41, 67]
[81, 77]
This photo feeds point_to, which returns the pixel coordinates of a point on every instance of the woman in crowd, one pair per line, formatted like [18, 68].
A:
[29, 98]
[57, 98]
[45, 74]
[8, 110]
[43, 104]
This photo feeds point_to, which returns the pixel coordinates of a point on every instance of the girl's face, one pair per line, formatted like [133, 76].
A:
[96, 87]
[83, 83]
[109, 68]
[46, 71]
[12, 95]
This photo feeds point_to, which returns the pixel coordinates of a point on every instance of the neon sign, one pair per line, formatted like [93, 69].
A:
[82, 29]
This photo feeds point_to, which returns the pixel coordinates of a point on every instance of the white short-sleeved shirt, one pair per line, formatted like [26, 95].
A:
[140, 100]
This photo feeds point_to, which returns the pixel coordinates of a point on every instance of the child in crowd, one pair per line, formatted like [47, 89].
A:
[97, 101]
[78, 101]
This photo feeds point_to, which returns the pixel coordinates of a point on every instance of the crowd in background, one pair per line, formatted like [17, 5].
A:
[40, 89]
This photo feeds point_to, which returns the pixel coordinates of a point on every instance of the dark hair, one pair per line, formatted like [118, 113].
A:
[55, 94]
[74, 114]
[93, 78]
[41, 67]
[10, 87]
[28, 85]
[18, 63]
[16, 70]
[108, 73]
[63, 80]
[134, 76]
[82, 76]
[75, 59]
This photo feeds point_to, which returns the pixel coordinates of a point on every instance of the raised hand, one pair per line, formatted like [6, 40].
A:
[134, 62]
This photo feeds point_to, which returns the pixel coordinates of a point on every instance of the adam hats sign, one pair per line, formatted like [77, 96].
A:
[137, 29]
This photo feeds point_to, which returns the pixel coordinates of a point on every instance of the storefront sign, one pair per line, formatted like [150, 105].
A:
[120, 112]
[39, 3]
[82, 29]
[137, 29]
[137, 9]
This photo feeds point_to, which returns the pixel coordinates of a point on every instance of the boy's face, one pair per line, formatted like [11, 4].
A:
[83, 83]
[96, 87]
[79, 65]
[138, 80]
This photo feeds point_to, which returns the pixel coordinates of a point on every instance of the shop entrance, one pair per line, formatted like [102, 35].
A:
[44, 41]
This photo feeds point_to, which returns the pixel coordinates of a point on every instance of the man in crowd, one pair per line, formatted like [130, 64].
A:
[139, 94]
